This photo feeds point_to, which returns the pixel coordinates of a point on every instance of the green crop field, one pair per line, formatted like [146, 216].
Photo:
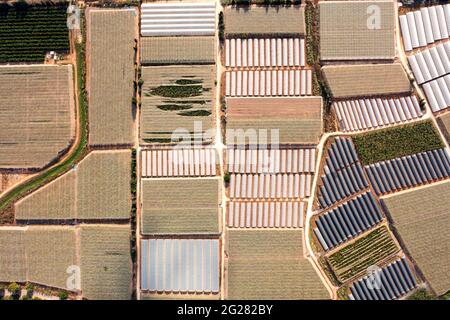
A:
[363, 253]
[27, 33]
[397, 142]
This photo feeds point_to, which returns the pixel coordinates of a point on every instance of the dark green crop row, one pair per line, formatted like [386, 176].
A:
[28, 32]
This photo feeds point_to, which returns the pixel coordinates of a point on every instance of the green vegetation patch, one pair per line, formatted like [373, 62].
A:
[195, 113]
[176, 91]
[28, 32]
[361, 254]
[174, 107]
[397, 142]
[183, 82]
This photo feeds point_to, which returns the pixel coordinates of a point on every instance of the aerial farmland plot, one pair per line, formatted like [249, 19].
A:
[106, 262]
[422, 220]
[270, 265]
[12, 255]
[28, 32]
[298, 120]
[366, 251]
[98, 188]
[110, 46]
[366, 80]
[37, 115]
[444, 123]
[264, 20]
[180, 206]
[176, 98]
[178, 50]
[345, 32]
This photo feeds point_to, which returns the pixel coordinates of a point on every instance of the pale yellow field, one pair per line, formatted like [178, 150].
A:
[422, 218]
[366, 80]
[106, 262]
[98, 188]
[169, 95]
[110, 50]
[12, 256]
[37, 114]
[176, 206]
[269, 264]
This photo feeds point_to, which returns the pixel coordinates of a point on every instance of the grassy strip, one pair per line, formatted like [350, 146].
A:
[174, 107]
[80, 150]
[397, 142]
[133, 248]
[356, 257]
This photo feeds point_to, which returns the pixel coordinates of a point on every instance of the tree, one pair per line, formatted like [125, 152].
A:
[14, 289]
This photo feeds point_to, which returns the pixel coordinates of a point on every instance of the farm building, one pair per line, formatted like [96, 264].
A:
[110, 46]
[395, 280]
[43, 255]
[293, 120]
[347, 221]
[37, 122]
[268, 83]
[178, 50]
[178, 162]
[368, 114]
[343, 174]
[269, 52]
[264, 20]
[425, 26]
[255, 254]
[347, 31]
[180, 206]
[177, 97]
[189, 266]
[422, 220]
[98, 188]
[366, 80]
[178, 19]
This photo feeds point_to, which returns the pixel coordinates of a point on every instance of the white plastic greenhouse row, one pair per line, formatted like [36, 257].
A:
[271, 161]
[425, 26]
[438, 93]
[431, 63]
[367, 114]
[270, 186]
[268, 83]
[275, 52]
[266, 214]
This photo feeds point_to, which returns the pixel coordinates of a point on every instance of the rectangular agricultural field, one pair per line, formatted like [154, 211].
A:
[264, 20]
[397, 142]
[37, 114]
[97, 188]
[298, 120]
[366, 251]
[176, 98]
[103, 185]
[444, 124]
[111, 35]
[422, 219]
[180, 206]
[28, 32]
[366, 80]
[106, 262]
[13, 265]
[50, 251]
[178, 50]
[270, 265]
[347, 32]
